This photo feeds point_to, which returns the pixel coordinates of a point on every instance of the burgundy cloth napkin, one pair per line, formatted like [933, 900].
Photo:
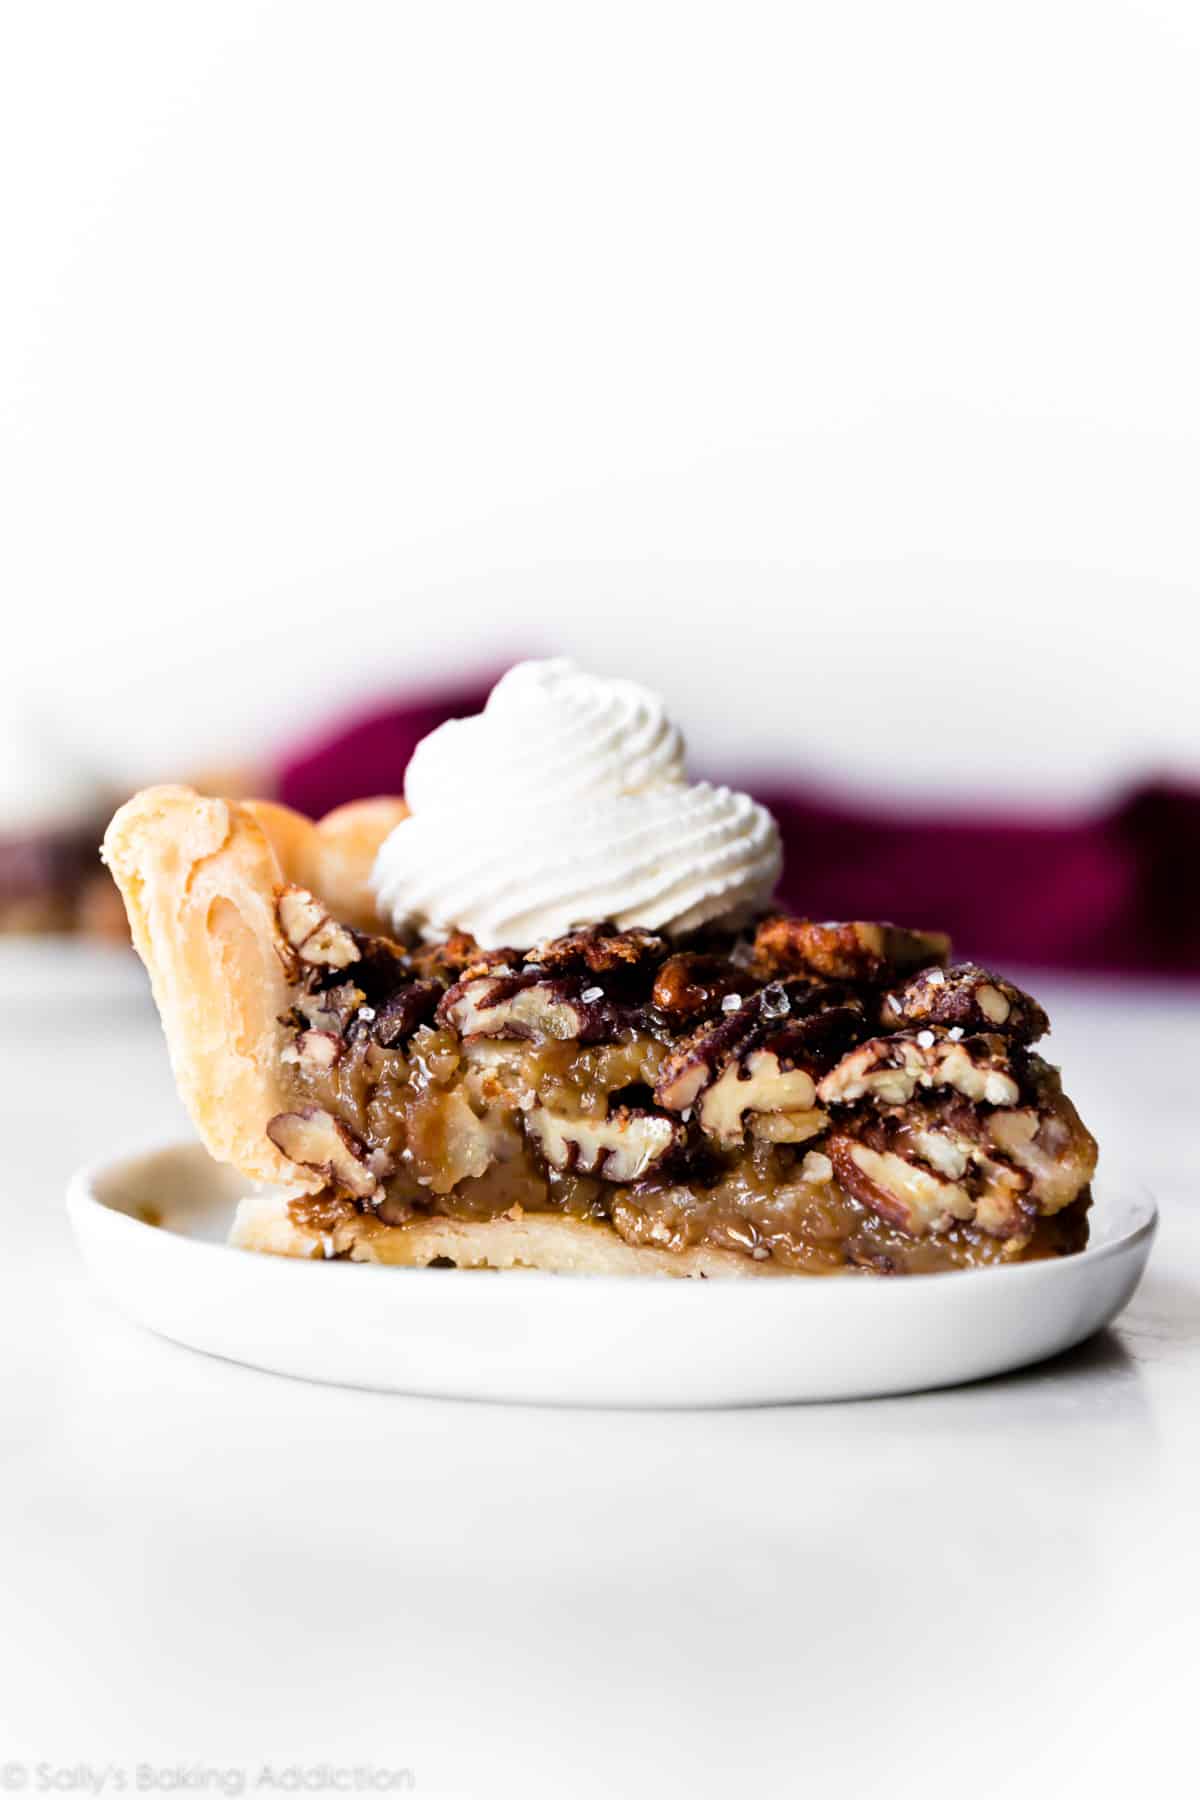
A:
[368, 753]
[1115, 890]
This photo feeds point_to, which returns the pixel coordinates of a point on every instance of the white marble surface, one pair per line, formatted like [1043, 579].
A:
[986, 1591]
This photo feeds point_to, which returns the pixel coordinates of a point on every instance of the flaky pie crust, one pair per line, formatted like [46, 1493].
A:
[201, 880]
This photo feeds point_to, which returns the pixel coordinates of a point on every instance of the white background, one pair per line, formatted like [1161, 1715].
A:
[836, 367]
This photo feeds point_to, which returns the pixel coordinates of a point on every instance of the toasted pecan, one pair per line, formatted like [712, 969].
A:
[692, 984]
[968, 997]
[855, 950]
[600, 949]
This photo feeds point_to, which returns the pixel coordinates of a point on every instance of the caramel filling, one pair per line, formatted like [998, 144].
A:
[824, 1096]
[482, 1129]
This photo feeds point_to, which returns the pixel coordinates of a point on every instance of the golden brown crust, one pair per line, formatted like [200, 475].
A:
[334, 858]
[200, 879]
[548, 1241]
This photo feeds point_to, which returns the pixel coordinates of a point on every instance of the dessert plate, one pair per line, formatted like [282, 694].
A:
[151, 1228]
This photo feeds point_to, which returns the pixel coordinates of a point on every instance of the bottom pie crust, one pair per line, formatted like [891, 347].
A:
[546, 1241]
[299, 1225]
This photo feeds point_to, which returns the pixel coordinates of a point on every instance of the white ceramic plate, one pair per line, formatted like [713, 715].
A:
[55, 968]
[152, 1229]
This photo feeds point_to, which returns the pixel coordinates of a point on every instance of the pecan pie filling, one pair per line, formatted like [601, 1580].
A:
[823, 1097]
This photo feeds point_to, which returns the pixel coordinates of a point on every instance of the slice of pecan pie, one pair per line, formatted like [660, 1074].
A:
[785, 1097]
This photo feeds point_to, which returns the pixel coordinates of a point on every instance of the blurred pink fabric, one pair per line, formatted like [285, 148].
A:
[1115, 890]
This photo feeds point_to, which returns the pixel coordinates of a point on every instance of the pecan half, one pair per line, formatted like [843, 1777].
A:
[857, 950]
[890, 1069]
[316, 1140]
[761, 1081]
[940, 1159]
[311, 934]
[928, 1165]
[966, 997]
[691, 985]
[765, 1056]
[532, 1006]
[450, 958]
[913, 1198]
[624, 1147]
[315, 1051]
[600, 949]
[1046, 1140]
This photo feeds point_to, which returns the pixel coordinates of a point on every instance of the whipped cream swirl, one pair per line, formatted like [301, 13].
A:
[563, 803]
